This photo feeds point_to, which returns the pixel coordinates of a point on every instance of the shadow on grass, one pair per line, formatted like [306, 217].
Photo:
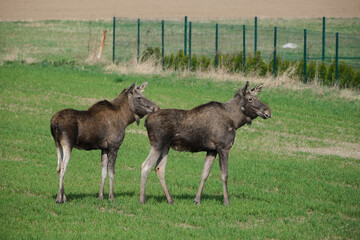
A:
[186, 197]
[161, 198]
[207, 197]
[80, 196]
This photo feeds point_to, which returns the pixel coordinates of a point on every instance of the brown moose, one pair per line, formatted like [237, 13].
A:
[210, 127]
[102, 126]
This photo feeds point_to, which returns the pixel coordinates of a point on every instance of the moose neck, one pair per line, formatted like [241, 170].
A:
[233, 106]
[122, 106]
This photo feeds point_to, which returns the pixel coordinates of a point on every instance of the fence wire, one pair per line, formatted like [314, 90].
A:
[289, 42]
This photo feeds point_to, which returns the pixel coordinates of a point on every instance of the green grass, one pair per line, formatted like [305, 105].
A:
[295, 175]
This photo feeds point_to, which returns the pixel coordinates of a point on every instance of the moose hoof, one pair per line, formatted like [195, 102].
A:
[61, 198]
[171, 202]
[197, 202]
[101, 197]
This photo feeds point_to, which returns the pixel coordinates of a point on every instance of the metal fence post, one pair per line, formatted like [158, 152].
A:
[274, 65]
[323, 40]
[216, 46]
[138, 41]
[305, 80]
[255, 37]
[337, 60]
[185, 34]
[189, 46]
[162, 45]
[113, 53]
[244, 51]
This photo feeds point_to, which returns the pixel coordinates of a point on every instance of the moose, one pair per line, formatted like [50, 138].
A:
[102, 127]
[210, 127]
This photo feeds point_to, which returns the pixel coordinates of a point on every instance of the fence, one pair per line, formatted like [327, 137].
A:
[131, 38]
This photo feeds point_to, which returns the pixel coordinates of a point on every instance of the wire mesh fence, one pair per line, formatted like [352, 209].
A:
[133, 37]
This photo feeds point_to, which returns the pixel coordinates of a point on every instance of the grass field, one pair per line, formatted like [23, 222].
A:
[294, 176]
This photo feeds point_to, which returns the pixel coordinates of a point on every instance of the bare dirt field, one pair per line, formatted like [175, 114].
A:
[175, 9]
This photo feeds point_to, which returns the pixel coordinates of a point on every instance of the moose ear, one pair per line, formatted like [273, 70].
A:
[142, 87]
[256, 89]
[243, 91]
[131, 88]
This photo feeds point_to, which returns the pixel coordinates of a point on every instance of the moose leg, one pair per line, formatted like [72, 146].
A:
[209, 160]
[59, 152]
[223, 162]
[160, 171]
[104, 167]
[112, 159]
[61, 198]
[145, 169]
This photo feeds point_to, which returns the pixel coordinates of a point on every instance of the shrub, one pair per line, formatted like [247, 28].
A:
[283, 66]
[153, 54]
[330, 75]
[280, 67]
[195, 63]
[299, 70]
[205, 63]
[355, 83]
[169, 61]
[322, 71]
[346, 75]
[311, 71]
[238, 65]
[181, 61]
[233, 63]
[256, 65]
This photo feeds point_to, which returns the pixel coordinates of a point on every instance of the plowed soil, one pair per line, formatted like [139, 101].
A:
[175, 9]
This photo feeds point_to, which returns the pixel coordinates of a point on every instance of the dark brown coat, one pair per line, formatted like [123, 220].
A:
[102, 126]
[210, 127]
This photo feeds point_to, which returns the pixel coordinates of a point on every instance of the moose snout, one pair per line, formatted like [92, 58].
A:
[266, 113]
[154, 108]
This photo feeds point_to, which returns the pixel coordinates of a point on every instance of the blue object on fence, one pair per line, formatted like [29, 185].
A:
[305, 80]
[274, 65]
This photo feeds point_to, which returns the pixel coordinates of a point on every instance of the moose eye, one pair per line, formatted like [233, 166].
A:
[250, 99]
[138, 98]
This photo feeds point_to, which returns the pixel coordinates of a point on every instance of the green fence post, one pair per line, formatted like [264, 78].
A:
[274, 65]
[323, 41]
[138, 41]
[255, 37]
[337, 59]
[185, 33]
[113, 53]
[244, 51]
[216, 46]
[162, 45]
[305, 80]
[189, 46]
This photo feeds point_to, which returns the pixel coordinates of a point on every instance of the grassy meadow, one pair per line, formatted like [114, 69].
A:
[294, 176]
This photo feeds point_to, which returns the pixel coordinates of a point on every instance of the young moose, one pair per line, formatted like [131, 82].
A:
[102, 126]
[209, 127]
